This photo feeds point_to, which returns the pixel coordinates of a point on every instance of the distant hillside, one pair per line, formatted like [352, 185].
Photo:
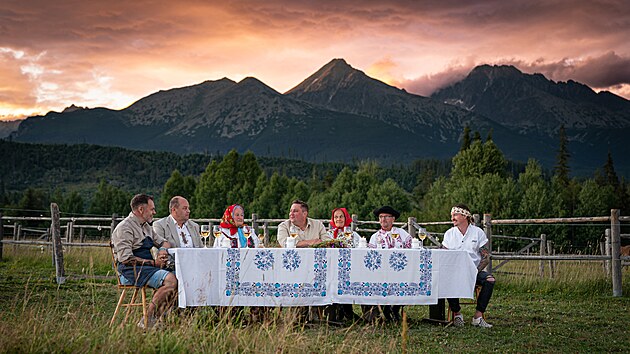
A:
[8, 127]
[82, 166]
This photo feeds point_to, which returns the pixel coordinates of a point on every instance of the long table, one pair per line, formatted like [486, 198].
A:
[320, 276]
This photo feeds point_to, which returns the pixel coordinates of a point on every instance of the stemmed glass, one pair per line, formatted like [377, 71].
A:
[395, 233]
[216, 231]
[246, 232]
[205, 233]
[293, 231]
[422, 234]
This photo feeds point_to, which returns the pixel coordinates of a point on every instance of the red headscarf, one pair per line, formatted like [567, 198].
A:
[334, 227]
[227, 221]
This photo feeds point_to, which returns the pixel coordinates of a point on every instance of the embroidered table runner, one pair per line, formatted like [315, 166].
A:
[319, 276]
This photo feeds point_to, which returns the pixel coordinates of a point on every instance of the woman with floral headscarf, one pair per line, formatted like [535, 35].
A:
[234, 228]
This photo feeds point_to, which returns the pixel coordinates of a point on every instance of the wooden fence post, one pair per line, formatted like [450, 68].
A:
[354, 224]
[607, 262]
[477, 220]
[211, 237]
[255, 222]
[255, 225]
[487, 224]
[552, 264]
[81, 235]
[543, 245]
[15, 235]
[57, 247]
[615, 242]
[266, 231]
[1, 234]
[70, 231]
[411, 221]
[113, 224]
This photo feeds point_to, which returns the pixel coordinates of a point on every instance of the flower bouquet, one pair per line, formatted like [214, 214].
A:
[337, 243]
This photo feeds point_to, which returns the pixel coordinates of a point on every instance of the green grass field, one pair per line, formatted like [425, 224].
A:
[573, 312]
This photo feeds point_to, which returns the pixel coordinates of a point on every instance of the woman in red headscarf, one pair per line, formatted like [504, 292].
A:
[234, 228]
[339, 220]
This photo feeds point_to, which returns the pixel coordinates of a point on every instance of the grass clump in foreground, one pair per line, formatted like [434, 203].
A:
[572, 312]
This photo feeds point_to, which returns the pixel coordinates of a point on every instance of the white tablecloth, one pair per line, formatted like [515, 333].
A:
[318, 276]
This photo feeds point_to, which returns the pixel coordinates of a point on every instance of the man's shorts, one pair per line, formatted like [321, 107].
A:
[156, 280]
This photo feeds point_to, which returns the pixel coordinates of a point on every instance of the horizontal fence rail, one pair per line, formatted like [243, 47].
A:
[610, 248]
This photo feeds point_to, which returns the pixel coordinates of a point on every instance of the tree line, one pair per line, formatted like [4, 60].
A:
[478, 175]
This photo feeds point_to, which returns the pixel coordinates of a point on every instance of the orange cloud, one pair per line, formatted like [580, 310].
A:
[111, 54]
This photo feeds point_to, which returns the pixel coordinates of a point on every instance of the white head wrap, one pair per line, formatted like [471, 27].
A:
[457, 210]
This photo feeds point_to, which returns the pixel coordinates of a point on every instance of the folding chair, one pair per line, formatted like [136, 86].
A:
[123, 296]
[470, 302]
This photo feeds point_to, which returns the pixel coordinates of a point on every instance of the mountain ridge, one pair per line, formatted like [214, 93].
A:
[340, 112]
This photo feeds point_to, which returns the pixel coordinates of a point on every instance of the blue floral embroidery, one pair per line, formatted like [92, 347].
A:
[420, 288]
[260, 289]
[291, 260]
[264, 260]
[372, 260]
[398, 261]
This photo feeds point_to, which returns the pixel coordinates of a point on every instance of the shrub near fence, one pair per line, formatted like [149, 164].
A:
[610, 256]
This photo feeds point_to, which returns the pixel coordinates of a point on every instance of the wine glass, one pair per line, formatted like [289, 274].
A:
[205, 233]
[422, 234]
[216, 231]
[246, 232]
[293, 231]
[395, 233]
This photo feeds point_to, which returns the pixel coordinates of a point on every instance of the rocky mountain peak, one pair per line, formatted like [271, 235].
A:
[73, 108]
[252, 85]
[531, 102]
[332, 76]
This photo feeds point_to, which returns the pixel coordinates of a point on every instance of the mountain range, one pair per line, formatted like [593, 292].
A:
[340, 114]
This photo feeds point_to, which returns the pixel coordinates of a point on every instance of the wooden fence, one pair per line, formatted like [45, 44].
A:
[75, 228]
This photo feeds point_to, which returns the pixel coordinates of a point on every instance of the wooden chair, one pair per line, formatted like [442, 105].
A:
[123, 297]
[449, 315]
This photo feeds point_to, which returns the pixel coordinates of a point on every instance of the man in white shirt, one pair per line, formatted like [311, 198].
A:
[176, 228]
[464, 235]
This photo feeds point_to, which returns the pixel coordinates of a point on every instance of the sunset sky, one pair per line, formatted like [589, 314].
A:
[112, 53]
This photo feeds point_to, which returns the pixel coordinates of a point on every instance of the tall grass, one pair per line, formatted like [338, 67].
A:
[572, 312]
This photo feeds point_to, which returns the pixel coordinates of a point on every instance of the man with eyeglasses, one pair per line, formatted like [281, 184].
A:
[388, 236]
[177, 228]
